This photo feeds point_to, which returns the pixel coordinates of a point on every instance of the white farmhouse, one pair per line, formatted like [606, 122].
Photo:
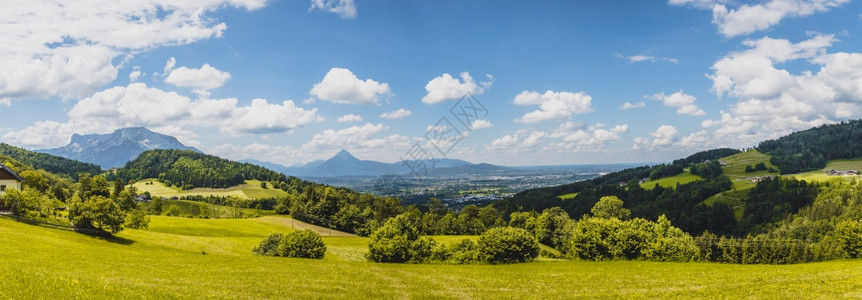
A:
[9, 180]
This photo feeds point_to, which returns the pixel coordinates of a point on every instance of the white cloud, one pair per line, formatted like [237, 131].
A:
[628, 105]
[133, 105]
[396, 114]
[342, 86]
[346, 9]
[663, 137]
[135, 74]
[578, 137]
[523, 140]
[773, 101]
[205, 78]
[445, 87]
[262, 117]
[169, 66]
[360, 140]
[702, 4]
[734, 20]
[481, 124]
[349, 118]
[640, 58]
[682, 101]
[68, 48]
[553, 105]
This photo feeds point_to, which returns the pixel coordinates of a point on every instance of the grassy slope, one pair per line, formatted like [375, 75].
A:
[682, 178]
[838, 165]
[251, 189]
[49, 263]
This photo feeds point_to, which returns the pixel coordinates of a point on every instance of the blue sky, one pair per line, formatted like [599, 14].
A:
[563, 82]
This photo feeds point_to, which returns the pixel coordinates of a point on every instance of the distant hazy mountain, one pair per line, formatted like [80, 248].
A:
[272, 166]
[345, 164]
[117, 148]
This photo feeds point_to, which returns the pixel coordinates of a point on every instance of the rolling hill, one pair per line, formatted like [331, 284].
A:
[716, 202]
[51, 163]
[196, 258]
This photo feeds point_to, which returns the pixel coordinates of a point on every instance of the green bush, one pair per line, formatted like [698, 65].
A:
[463, 252]
[302, 244]
[398, 241]
[607, 239]
[137, 219]
[174, 211]
[269, 245]
[507, 245]
[849, 234]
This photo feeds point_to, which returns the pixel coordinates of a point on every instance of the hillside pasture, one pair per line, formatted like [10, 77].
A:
[250, 190]
[60, 264]
[838, 165]
[671, 182]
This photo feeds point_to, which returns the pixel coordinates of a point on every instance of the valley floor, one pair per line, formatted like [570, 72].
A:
[194, 258]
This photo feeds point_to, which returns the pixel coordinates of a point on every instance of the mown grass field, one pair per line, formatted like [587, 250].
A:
[838, 165]
[671, 182]
[250, 190]
[168, 261]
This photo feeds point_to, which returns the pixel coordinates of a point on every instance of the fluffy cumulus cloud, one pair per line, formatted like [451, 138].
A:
[734, 18]
[773, 100]
[346, 9]
[133, 105]
[682, 101]
[481, 124]
[628, 105]
[69, 49]
[579, 137]
[553, 105]
[349, 118]
[362, 140]
[445, 87]
[396, 114]
[202, 79]
[524, 140]
[342, 86]
[662, 138]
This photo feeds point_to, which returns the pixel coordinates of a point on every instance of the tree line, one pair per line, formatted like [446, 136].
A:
[810, 149]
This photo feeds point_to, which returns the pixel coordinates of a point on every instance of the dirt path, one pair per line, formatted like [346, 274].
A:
[297, 224]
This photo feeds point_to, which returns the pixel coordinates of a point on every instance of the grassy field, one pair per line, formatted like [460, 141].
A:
[682, 178]
[567, 196]
[838, 165]
[193, 258]
[735, 168]
[250, 190]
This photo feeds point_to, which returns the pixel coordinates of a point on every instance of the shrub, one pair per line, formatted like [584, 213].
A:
[174, 211]
[269, 245]
[302, 244]
[849, 235]
[606, 239]
[507, 245]
[610, 207]
[137, 219]
[396, 241]
[553, 227]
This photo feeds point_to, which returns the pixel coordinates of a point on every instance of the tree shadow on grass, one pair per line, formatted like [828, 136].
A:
[107, 237]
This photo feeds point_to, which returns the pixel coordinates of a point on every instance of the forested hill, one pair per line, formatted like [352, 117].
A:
[189, 169]
[48, 162]
[810, 149]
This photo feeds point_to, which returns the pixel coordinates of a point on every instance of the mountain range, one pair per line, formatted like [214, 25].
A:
[115, 149]
[345, 164]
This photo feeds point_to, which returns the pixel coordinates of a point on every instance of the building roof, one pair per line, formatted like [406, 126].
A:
[7, 170]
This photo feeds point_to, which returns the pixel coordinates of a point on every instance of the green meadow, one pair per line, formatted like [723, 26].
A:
[200, 258]
[250, 190]
[672, 181]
